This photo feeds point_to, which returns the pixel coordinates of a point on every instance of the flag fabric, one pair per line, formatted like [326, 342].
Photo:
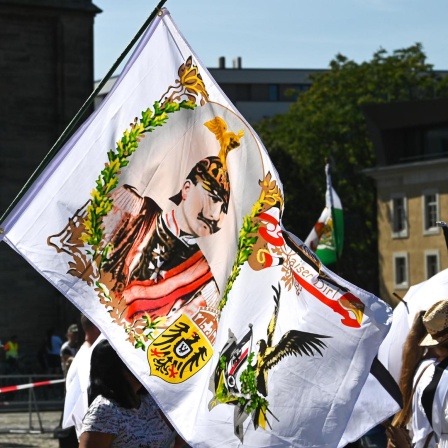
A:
[380, 398]
[326, 238]
[419, 297]
[76, 387]
[160, 219]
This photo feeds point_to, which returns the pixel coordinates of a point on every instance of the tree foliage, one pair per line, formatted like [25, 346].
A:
[327, 122]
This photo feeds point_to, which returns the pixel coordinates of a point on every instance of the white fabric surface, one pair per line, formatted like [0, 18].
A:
[419, 297]
[420, 425]
[77, 383]
[440, 411]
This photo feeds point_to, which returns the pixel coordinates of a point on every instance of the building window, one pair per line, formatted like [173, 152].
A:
[430, 212]
[399, 216]
[432, 263]
[243, 92]
[436, 142]
[273, 92]
[401, 276]
[290, 92]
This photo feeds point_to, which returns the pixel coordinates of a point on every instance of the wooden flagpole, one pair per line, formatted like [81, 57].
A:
[70, 127]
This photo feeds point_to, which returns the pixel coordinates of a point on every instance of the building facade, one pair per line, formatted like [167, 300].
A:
[46, 73]
[262, 93]
[256, 93]
[411, 146]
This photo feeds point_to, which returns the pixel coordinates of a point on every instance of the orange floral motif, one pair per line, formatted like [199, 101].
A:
[190, 85]
[270, 197]
[191, 79]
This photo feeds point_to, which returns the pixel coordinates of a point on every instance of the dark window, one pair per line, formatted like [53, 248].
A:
[431, 212]
[432, 265]
[263, 92]
[401, 276]
[436, 142]
[273, 92]
[422, 144]
[230, 91]
[399, 215]
[243, 92]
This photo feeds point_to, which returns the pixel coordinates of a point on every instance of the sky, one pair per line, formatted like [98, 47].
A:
[291, 34]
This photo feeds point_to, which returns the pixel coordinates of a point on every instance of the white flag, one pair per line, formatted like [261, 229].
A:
[419, 297]
[161, 220]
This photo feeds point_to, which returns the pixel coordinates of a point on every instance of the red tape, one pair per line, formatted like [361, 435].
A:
[30, 385]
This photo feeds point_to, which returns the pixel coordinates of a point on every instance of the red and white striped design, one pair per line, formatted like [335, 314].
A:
[30, 385]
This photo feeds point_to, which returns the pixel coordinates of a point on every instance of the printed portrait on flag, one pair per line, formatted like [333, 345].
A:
[155, 263]
[162, 215]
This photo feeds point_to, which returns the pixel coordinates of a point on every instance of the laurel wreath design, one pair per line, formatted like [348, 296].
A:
[101, 203]
[270, 196]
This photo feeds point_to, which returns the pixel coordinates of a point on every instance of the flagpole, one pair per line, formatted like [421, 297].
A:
[330, 189]
[67, 131]
[444, 226]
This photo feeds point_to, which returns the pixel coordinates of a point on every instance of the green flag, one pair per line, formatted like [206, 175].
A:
[327, 236]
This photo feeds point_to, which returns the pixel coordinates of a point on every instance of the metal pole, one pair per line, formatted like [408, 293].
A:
[33, 401]
[30, 411]
[37, 411]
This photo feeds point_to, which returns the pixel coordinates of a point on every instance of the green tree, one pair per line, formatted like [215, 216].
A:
[327, 122]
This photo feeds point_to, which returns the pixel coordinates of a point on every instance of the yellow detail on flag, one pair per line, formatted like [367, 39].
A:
[262, 417]
[179, 352]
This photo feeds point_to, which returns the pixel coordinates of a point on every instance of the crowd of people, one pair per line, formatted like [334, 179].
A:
[105, 405]
[51, 357]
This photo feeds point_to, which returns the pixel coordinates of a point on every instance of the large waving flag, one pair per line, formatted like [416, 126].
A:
[160, 219]
[326, 238]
